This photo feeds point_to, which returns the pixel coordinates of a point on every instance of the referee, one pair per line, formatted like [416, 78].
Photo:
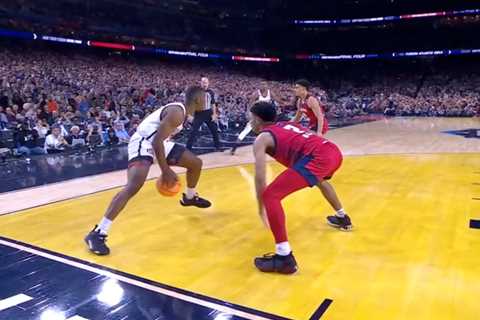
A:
[205, 116]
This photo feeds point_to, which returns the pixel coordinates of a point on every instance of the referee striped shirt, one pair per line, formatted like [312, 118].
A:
[209, 99]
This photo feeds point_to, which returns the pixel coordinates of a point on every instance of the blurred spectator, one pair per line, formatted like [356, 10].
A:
[121, 133]
[55, 142]
[27, 141]
[44, 88]
[76, 138]
[42, 128]
[94, 137]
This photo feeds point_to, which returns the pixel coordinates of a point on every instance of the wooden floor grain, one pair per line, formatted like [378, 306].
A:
[411, 254]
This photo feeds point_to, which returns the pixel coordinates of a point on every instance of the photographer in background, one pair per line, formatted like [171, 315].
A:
[27, 141]
[94, 137]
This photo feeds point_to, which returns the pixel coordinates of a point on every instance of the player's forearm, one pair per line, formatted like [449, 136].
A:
[160, 153]
[320, 126]
[260, 185]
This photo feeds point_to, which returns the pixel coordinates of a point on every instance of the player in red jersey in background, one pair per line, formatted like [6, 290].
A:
[310, 161]
[309, 106]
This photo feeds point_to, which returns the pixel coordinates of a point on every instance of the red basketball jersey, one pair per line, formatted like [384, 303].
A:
[292, 142]
[312, 118]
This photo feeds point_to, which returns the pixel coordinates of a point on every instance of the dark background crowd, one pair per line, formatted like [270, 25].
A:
[55, 100]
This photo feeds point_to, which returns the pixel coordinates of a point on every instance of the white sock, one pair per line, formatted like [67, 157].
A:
[340, 213]
[104, 225]
[283, 248]
[190, 192]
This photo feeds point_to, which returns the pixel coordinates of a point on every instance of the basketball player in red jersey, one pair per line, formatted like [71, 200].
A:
[309, 106]
[310, 161]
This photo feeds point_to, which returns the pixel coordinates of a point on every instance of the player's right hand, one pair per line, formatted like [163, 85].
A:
[169, 178]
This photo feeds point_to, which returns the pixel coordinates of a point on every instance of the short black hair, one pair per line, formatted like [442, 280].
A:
[265, 111]
[304, 83]
[192, 93]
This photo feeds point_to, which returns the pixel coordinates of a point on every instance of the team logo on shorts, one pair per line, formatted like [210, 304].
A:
[150, 150]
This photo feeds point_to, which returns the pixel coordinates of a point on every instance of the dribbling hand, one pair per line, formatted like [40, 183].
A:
[169, 178]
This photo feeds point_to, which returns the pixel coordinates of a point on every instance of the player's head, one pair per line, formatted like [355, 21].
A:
[194, 99]
[301, 87]
[204, 83]
[261, 115]
[264, 85]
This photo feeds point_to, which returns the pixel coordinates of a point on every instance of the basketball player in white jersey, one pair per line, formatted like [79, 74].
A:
[261, 95]
[152, 140]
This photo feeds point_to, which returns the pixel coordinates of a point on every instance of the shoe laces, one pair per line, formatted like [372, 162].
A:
[102, 236]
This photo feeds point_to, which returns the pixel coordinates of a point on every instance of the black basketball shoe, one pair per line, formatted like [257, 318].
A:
[271, 262]
[195, 201]
[342, 223]
[96, 242]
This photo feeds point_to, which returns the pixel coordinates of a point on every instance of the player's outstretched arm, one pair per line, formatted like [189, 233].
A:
[172, 119]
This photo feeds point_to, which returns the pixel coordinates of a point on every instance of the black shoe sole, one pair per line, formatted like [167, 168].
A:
[275, 271]
[193, 205]
[98, 253]
[341, 228]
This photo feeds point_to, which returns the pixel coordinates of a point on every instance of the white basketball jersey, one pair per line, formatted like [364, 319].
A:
[149, 126]
[261, 98]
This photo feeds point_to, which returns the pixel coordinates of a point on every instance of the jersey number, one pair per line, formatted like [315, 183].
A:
[297, 130]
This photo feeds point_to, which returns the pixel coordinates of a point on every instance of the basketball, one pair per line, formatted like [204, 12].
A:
[167, 192]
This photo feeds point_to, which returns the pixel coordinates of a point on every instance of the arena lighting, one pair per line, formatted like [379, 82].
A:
[60, 39]
[195, 54]
[111, 45]
[188, 53]
[145, 49]
[17, 34]
[259, 59]
[391, 18]
[303, 56]
[406, 54]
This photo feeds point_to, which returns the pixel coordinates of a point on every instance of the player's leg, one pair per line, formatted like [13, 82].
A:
[325, 165]
[212, 126]
[181, 157]
[330, 195]
[241, 136]
[140, 156]
[136, 175]
[282, 261]
[340, 220]
[198, 120]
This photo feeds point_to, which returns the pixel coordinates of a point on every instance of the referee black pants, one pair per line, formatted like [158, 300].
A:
[199, 118]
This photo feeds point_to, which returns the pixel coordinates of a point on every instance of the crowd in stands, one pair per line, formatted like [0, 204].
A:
[443, 93]
[55, 101]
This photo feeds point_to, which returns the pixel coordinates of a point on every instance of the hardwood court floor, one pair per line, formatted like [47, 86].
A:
[410, 256]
